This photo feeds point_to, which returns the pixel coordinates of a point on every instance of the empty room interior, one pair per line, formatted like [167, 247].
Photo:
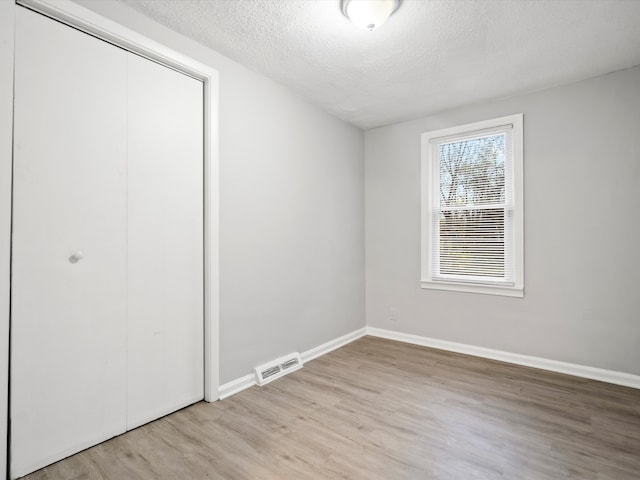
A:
[320, 239]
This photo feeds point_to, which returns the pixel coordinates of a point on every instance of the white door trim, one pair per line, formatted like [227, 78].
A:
[88, 21]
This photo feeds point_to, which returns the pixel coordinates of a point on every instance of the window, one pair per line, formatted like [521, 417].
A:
[472, 215]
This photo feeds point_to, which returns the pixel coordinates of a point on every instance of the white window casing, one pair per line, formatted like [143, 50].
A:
[472, 208]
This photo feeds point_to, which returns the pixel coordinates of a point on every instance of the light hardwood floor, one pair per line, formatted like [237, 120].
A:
[379, 409]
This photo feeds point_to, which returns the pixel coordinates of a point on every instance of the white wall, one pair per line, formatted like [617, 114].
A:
[6, 140]
[582, 230]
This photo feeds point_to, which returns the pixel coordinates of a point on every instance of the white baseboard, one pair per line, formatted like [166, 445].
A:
[609, 376]
[248, 381]
[333, 344]
[236, 386]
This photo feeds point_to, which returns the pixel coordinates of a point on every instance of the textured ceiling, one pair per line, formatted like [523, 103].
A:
[431, 55]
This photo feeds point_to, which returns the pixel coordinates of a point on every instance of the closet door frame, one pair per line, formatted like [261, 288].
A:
[90, 22]
[94, 24]
[83, 19]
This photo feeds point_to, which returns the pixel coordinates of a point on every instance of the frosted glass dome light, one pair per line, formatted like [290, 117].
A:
[368, 14]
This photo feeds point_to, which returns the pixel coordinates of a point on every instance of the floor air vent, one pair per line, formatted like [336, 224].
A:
[277, 368]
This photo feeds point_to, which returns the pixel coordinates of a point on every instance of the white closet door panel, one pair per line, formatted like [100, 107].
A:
[165, 241]
[68, 319]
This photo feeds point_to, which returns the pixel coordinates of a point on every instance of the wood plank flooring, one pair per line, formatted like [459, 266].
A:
[379, 409]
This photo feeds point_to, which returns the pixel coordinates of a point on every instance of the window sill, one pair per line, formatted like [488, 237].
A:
[473, 288]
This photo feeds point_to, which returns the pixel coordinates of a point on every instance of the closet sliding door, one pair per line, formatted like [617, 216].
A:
[165, 241]
[107, 327]
[68, 289]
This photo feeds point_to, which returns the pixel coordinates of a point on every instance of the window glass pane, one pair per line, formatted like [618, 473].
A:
[472, 172]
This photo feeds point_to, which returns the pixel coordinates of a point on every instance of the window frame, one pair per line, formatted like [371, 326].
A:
[428, 176]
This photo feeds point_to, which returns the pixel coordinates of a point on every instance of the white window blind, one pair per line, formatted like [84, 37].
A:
[473, 208]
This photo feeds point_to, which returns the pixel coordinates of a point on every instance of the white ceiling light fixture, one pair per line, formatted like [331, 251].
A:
[368, 14]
